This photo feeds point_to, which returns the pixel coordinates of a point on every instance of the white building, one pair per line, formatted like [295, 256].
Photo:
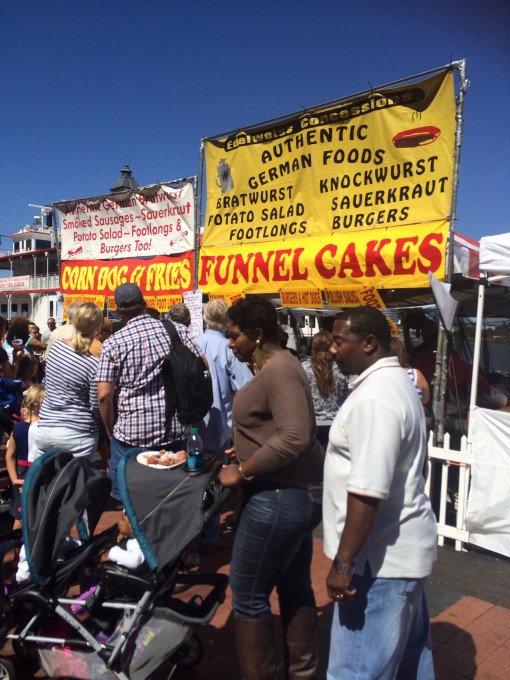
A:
[31, 286]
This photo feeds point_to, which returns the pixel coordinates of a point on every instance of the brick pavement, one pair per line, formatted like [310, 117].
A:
[471, 638]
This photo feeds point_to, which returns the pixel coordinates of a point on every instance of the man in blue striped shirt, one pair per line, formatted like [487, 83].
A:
[130, 370]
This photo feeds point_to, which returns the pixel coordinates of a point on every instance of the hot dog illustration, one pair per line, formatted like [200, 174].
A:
[72, 252]
[416, 137]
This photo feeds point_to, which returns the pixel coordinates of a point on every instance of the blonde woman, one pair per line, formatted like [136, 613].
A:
[328, 384]
[69, 414]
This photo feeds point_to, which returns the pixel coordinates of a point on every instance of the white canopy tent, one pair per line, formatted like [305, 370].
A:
[488, 511]
[494, 268]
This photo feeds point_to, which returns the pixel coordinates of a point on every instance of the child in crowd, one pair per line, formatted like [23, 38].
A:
[127, 553]
[27, 372]
[20, 451]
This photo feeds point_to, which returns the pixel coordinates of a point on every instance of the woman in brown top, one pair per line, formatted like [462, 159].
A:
[280, 472]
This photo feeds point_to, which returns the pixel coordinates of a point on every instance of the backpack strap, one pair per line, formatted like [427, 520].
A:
[172, 332]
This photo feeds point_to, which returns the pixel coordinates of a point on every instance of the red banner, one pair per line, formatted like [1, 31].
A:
[156, 276]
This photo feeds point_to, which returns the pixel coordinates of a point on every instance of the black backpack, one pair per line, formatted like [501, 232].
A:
[188, 384]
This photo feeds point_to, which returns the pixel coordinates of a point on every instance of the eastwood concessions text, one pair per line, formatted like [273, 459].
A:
[378, 258]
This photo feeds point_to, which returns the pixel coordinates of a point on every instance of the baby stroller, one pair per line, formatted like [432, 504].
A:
[59, 492]
[141, 624]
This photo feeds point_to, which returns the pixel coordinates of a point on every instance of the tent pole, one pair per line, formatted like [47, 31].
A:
[476, 356]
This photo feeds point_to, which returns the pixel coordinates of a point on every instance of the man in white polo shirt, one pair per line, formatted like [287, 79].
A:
[379, 528]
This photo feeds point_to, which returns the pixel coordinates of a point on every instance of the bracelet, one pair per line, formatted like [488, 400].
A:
[245, 477]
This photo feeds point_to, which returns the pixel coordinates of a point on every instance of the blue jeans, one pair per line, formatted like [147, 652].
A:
[273, 548]
[66, 439]
[118, 449]
[384, 633]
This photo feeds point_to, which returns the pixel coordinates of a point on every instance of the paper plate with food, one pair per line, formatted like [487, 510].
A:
[162, 460]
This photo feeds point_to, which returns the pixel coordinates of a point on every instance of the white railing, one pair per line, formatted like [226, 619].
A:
[453, 488]
[40, 282]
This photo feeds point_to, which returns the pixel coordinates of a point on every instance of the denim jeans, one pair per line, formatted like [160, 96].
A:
[117, 450]
[66, 439]
[273, 548]
[384, 633]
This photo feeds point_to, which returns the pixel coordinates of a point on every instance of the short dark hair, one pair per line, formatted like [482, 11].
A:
[156, 314]
[255, 312]
[365, 321]
[18, 331]
[132, 311]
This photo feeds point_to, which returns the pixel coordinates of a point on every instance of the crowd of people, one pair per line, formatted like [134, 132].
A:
[339, 438]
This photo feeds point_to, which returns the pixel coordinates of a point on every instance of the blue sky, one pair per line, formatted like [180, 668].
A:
[87, 87]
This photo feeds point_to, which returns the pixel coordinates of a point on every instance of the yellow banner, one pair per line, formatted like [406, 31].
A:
[393, 327]
[68, 299]
[392, 258]
[379, 161]
[162, 302]
[353, 297]
[96, 299]
[301, 298]
[230, 298]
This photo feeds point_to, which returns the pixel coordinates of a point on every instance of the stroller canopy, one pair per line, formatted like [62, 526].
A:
[164, 506]
[59, 491]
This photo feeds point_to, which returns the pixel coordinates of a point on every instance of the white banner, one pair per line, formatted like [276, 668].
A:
[156, 220]
[15, 283]
[193, 301]
[488, 511]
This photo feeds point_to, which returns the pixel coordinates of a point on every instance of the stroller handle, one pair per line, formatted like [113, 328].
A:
[213, 509]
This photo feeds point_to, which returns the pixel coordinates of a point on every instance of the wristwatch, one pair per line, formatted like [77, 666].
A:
[342, 568]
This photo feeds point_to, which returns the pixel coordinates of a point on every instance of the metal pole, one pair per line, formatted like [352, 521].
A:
[464, 84]
[197, 193]
[199, 213]
[438, 400]
[56, 242]
[476, 351]
[438, 403]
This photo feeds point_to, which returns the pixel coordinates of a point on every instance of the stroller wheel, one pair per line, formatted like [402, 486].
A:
[7, 670]
[190, 653]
